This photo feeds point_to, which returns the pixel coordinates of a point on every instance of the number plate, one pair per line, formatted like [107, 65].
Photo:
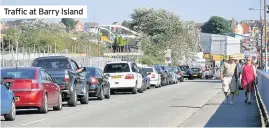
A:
[195, 75]
[116, 77]
[17, 99]
[116, 82]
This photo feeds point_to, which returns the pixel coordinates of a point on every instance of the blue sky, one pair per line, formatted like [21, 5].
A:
[108, 11]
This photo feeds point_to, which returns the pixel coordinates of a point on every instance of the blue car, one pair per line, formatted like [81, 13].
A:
[8, 109]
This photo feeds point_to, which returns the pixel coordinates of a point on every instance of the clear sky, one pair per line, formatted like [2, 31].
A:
[108, 11]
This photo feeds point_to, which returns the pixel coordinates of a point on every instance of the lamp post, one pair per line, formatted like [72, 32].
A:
[261, 31]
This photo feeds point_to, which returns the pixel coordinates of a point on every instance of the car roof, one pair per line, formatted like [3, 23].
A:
[37, 68]
[149, 67]
[114, 62]
[53, 57]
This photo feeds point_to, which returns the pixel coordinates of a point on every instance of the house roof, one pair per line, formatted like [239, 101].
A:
[16, 22]
[91, 24]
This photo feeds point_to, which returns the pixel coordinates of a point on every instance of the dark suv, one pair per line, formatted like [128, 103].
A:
[66, 73]
[187, 72]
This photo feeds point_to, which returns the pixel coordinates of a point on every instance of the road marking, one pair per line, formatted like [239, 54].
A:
[34, 122]
[63, 114]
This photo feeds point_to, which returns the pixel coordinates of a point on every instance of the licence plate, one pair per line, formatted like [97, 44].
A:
[116, 82]
[17, 99]
[195, 75]
[116, 77]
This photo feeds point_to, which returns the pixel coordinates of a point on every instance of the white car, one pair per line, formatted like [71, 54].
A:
[155, 78]
[124, 75]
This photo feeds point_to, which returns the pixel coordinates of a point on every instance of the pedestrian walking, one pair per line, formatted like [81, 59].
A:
[248, 78]
[227, 76]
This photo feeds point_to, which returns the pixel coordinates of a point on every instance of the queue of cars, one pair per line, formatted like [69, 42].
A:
[52, 80]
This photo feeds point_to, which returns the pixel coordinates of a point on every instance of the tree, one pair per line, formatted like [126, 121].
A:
[126, 23]
[164, 30]
[217, 25]
[69, 23]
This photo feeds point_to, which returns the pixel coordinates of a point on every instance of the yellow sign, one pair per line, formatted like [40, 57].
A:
[218, 57]
[207, 56]
[104, 38]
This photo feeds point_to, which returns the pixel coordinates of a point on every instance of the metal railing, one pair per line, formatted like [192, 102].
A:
[262, 95]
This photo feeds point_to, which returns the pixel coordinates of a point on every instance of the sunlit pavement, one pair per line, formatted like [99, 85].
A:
[190, 103]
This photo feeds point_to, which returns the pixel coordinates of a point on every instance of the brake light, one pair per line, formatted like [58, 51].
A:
[34, 85]
[129, 76]
[153, 76]
[94, 80]
[66, 77]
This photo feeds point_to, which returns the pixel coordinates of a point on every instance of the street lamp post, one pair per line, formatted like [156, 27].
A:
[265, 35]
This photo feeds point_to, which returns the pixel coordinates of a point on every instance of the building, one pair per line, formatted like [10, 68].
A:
[79, 26]
[91, 27]
[15, 23]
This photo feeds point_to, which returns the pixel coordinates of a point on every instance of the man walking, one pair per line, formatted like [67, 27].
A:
[227, 76]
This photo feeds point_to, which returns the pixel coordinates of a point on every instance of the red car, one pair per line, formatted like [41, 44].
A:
[33, 87]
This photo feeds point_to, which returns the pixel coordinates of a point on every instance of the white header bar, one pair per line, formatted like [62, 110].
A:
[47, 11]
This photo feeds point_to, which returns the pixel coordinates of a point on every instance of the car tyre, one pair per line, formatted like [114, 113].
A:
[12, 114]
[60, 104]
[107, 96]
[134, 90]
[141, 90]
[72, 102]
[181, 79]
[44, 108]
[101, 96]
[85, 98]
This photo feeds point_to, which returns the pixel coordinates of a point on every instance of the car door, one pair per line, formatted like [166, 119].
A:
[105, 80]
[46, 84]
[5, 99]
[54, 89]
[139, 75]
[78, 77]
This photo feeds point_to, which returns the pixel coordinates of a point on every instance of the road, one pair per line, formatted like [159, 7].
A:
[168, 106]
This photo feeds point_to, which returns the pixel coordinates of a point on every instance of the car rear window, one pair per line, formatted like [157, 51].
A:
[196, 69]
[90, 71]
[116, 67]
[52, 63]
[18, 73]
[148, 69]
[184, 68]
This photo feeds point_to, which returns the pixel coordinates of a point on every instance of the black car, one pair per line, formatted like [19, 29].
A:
[162, 73]
[98, 83]
[168, 75]
[146, 79]
[196, 72]
[186, 70]
[68, 75]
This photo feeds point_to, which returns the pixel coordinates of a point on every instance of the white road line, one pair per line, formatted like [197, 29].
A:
[63, 114]
[34, 122]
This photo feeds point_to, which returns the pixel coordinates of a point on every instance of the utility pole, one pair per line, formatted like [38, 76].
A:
[261, 34]
[265, 35]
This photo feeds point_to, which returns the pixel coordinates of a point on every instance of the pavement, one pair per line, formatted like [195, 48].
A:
[186, 104]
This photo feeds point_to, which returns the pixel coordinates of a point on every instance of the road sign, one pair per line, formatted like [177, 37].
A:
[168, 59]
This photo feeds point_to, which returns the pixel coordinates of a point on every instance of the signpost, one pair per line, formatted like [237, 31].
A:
[168, 59]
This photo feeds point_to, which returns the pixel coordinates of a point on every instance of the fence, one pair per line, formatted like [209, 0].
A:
[263, 95]
[25, 56]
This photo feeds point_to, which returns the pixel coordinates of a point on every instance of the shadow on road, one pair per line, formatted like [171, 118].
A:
[28, 112]
[238, 114]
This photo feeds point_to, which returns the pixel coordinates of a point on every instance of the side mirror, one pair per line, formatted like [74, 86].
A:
[8, 84]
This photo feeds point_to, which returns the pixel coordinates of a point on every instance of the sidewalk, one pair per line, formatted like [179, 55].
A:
[217, 114]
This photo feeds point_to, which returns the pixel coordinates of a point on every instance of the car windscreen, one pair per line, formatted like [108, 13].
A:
[18, 73]
[90, 71]
[116, 68]
[148, 69]
[52, 63]
[184, 68]
[158, 69]
[196, 69]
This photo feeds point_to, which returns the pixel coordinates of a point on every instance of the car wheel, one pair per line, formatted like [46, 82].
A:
[85, 98]
[141, 90]
[44, 108]
[107, 96]
[134, 90]
[72, 102]
[12, 114]
[60, 104]
[101, 96]
[181, 79]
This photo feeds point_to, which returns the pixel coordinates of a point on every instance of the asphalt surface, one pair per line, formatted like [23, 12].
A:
[169, 106]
